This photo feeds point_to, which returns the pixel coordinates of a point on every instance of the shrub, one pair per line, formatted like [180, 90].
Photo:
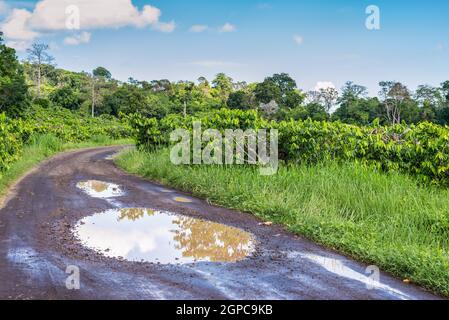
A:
[421, 150]
[54, 127]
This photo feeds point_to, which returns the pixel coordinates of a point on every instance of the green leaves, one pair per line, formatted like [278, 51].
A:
[421, 150]
[63, 124]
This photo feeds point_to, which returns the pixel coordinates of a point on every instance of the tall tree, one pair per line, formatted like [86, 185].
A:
[99, 76]
[445, 90]
[224, 86]
[14, 98]
[351, 92]
[39, 56]
[394, 95]
[280, 88]
[327, 97]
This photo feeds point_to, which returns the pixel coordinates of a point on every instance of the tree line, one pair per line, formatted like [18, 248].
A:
[38, 81]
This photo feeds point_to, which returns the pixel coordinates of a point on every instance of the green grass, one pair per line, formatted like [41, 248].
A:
[42, 147]
[384, 219]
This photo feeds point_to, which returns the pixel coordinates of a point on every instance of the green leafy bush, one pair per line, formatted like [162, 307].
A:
[421, 150]
[10, 141]
[59, 124]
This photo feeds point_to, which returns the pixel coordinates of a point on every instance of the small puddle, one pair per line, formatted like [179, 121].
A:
[162, 237]
[182, 200]
[100, 189]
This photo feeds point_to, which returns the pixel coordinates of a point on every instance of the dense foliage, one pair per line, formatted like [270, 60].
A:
[277, 97]
[421, 149]
[14, 99]
[63, 124]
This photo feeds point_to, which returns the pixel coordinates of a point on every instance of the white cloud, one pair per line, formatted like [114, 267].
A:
[197, 28]
[16, 27]
[166, 27]
[324, 85]
[15, 30]
[53, 16]
[227, 27]
[76, 39]
[298, 39]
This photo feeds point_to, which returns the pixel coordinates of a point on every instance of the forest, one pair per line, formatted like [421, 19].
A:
[37, 81]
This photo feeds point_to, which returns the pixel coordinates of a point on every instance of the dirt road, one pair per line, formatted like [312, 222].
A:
[37, 246]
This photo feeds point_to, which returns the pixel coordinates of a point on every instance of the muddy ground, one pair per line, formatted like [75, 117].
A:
[37, 246]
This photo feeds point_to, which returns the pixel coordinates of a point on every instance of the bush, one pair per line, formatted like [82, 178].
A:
[421, 150]
[53, 128]
[10, 141]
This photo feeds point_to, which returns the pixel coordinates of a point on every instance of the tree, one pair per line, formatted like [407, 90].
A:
[14, 98]
[280, 88]
[66, 97]
[362, 111]
[445, 90]
[38, 56]
[239, 100]
[327, 97]
[430, 100]
[99, 76]
[394, 94]
[352, 92]
[127, 99]
[163, 85]
[267, 91]
[224, 86]
[102, 73]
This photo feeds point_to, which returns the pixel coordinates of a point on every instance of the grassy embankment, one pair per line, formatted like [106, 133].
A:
[385, 219]
[44, 146]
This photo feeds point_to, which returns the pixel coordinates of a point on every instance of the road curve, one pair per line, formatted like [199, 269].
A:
[36, 246]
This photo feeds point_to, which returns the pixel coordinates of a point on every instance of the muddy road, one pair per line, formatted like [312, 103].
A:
[38, 244]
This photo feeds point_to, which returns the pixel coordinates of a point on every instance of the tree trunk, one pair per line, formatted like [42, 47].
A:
[93, 97]
[39, 75]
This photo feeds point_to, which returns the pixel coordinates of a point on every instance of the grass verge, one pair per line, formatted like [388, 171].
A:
[384, 219]
[42, 147]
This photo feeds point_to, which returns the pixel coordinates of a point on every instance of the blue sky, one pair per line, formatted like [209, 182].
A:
[412, 45]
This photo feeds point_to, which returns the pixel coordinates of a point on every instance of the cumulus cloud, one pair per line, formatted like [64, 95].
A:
[76, 39]
[16, 28]
[227, 27]
[197, 28]
[61, 15]
[322, 85]
[298, 39]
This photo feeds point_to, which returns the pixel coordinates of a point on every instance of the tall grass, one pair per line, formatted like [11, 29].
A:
[385, 219]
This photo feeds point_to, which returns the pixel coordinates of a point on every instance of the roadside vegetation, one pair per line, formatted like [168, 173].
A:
[387, 219]
[40, 148]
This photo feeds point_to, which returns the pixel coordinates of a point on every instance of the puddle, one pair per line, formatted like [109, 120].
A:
[337, 267]
[100, 189]
[162, 237]
[182, 200]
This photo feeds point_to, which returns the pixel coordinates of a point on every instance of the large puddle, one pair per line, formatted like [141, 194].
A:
[162, 237]
[100, 189]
